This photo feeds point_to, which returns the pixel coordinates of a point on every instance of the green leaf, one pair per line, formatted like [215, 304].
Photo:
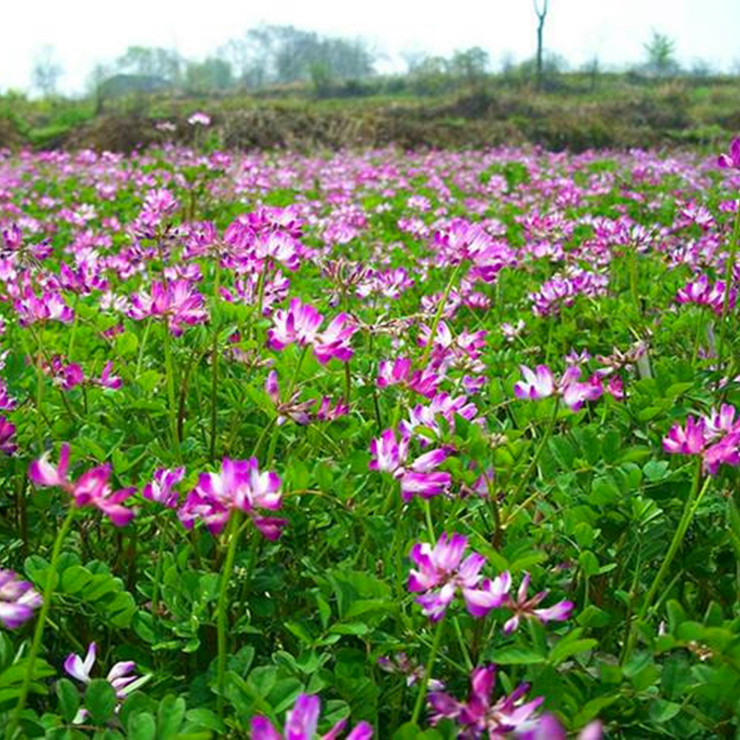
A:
[69, 699]
[205, 718]
[662, 710]
[100, 700]
[142, 726]
[567, 647]
[516, 656]
[170, 715]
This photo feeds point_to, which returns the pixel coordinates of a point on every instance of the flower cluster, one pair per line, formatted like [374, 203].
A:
[91, 489]
[703, 293]
[390, 454]
[482, 716]
[240, 486]
[714, 436]
[300, 324]
[178, 302]
[120, 676]
[17, 600]
[301, 723]
[441, 573]
[541, 383]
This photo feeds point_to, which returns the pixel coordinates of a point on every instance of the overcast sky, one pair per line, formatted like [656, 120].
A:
[84, 32]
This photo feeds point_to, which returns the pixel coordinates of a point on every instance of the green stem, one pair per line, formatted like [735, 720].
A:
[172, 408]
[729, 274]
[215, 359]
[692, 504]
[231, 534]
[533, 464]
[438, 315]
[427, 673]
[142, 347]
[428, 519]
[41, 620]
[158, 568]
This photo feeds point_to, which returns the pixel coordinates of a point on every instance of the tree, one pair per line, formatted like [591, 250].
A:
[146, 61]
[540, 9]
[470, 65]
[46, 72]
[660, 50]
[212, 75]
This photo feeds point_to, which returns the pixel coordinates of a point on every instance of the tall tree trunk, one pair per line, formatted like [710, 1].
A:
[541, 12]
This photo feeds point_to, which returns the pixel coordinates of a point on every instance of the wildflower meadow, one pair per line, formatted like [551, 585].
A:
[371, 444]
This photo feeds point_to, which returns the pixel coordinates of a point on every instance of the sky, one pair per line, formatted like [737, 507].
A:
[86, 32]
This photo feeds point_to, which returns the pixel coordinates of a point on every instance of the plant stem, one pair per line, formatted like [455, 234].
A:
[729, 275]
[172, 408]
[427, 673]
[41, 619]
[438, 315]
[533, 464]
[231, 534]
[692, 504]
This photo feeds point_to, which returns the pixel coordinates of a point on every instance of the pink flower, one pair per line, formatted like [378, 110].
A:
[479, 716]
[732, 159]
[178, 302]
[301, 724]
[389, 454]
[7, 431]
[688, 440]
[537, 384]
[92, 488]
[524, 607]
[17, 600]
[334, 341]
[239, 485]
[161, 488]
[199, 119]
[299, 324]
[441, 573]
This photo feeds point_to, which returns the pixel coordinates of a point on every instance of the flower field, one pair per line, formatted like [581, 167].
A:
[379, 444]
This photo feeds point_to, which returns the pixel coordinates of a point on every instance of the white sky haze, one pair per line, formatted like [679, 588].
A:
[84, 32]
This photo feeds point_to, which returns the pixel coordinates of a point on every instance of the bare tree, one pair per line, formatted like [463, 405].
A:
[46, 71]
[540, 9]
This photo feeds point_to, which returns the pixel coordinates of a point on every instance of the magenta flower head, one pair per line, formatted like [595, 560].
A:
[7, 432]
[120, 676]
[441, 573]
[92, 488]
[301, 723]
[731, 160]
[537, 383]
[481, 716]
[17, 600]
[524, 607]
[239, 485]
[161, 488]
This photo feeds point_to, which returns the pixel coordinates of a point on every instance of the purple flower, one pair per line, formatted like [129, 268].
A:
[120, 676]
[480, 716]
[301, 724]
[161, 488]
[389, 454]
[239, 485]
[441, 573]
[732, 159]
[299, 324]
[91, 489]
[17, 600]
[7, 431]
[521, 606]
[178, 302]
[537, 384]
